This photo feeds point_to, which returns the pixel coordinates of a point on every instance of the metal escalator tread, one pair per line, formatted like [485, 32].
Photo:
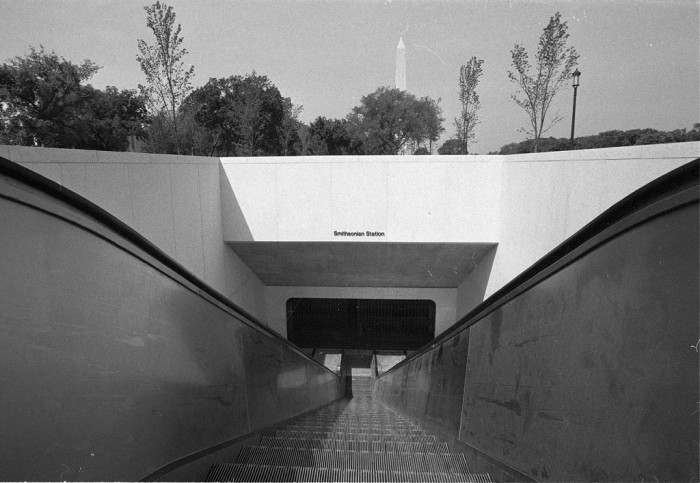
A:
[353, 460]
[344, 445]
[249, 472]
[358, 440]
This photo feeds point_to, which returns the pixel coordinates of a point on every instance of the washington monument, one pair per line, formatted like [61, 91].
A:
[401, 65]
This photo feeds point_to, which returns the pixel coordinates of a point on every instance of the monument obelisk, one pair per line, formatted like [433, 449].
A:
[401, 65]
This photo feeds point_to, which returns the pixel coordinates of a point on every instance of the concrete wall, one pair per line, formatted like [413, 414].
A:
[173, 201]
[114, 365]
[409, 198]
[189, 206]
[547, 197]
[276, 301]
[413, 199]
[528, 204]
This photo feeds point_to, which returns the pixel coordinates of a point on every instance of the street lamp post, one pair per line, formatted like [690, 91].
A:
[575, 77]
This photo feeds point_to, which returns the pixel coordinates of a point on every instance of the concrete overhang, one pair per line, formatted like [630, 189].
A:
[378, 221]
[366, 264]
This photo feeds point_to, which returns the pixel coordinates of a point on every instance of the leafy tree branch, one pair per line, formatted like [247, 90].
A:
[553, 68]
[468, 80]
[169, 82]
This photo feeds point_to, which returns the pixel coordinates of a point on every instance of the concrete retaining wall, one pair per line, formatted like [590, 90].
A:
[548, 197]
[410, 199]
[190, 206]
[173, 201]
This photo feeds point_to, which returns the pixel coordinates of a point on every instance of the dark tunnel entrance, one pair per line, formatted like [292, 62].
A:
[378, 324]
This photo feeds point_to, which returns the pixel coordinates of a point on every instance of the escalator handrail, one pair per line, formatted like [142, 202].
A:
[111, 223]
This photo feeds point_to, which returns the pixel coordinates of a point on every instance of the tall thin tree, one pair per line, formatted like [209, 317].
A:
[169, 82]
[554, 64]
[290, 125]
[468, 80]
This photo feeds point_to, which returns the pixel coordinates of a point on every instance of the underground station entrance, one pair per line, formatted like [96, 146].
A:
[365, 335]
[374, 324]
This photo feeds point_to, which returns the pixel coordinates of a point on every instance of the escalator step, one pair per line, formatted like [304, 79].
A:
[246, 472]
[355, 460]
[401, 426]
[354, 439]
[356, 436]
[345, 445]
[363, 433]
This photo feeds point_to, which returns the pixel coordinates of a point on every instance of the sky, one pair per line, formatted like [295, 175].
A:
[639, 59]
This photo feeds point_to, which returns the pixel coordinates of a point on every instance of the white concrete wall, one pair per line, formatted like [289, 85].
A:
[409, 198]
[276, 301]
[547, 197]
[173, 201]
[189, 206]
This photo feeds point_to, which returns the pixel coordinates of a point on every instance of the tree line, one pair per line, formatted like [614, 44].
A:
[248, 116]
[607, 139]
[45, 100]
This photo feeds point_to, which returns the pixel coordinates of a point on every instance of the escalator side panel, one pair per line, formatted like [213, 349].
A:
[113, 366]
[588, 373]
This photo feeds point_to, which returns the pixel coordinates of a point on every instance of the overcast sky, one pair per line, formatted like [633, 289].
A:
[639, 58]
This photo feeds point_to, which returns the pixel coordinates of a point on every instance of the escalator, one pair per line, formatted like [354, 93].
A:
[119, 364]
[583, 368]
[353, 439]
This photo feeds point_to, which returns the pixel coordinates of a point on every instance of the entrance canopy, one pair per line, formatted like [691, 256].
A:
[350, 264]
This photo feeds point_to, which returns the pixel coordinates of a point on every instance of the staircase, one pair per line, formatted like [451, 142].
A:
[354, 439]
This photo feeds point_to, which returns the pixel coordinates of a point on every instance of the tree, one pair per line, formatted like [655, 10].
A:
[259, 113]
[169, 82]
[208, 109]
[388, 120]
[243, 115]
[110, 117]
[468, 80]
[43, 102]
[289, 129]
[553, 69]
[331, 137]
[159, 138]
[196, 139]
[39, 95]
[452, 146]
[694, 133]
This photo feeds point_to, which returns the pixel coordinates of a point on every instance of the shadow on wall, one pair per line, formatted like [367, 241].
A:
[234, 222]
[472, 291]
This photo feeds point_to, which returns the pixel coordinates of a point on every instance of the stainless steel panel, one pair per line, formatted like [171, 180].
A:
[590, 375]
[280, 382]
[431, 387]
[112, 369]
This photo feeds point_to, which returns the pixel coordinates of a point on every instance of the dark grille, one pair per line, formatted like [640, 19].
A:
[378, 324]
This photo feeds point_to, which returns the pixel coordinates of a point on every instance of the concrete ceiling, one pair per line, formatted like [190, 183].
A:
[361, 264]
